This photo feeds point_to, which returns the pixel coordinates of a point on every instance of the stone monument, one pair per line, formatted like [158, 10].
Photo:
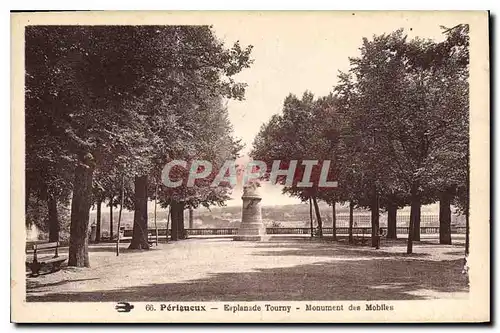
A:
[251, 228]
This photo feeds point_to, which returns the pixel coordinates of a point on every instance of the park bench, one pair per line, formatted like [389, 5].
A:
[53, 262]
[360, 239]
[151, 239]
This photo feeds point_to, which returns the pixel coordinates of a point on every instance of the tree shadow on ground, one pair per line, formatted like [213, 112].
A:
[353, 253]
[35, 284]
[376, 279]
[112, 248]
[324, 249]
[455, 253]
[328, 241]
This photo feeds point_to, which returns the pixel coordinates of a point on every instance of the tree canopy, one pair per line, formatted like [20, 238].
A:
[104, 103]
[396, 125]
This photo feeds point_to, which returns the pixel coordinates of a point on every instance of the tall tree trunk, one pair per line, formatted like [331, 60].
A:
[375, 217]
[155, 215]
[311, 217]
[467, 230]
[174, 217]
[182, 229]
[27, 197]
[53, 218]
[318, 217]
[98, 222]
[351, 221]
[467, 213]
[416, 212]
[191, 224]
[334, 221]
[167, 233]
[111, 218]
[140, 231]
[122, 199]
[445, 217]
[80, 208]
[411, 228]
[392, 215]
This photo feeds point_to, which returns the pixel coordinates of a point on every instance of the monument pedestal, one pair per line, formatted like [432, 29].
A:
[251, 228]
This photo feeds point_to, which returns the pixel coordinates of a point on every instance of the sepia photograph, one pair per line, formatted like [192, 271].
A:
[250, 167]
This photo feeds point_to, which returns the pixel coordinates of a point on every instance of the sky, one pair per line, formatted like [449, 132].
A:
[298, 52]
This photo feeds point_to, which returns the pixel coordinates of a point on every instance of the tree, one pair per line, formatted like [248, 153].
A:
[449, 175]
[402, 108]
[78, 90]
[80, 206]
[199, 128]
[308, 130]
[140, 229]
[351, 222]
[47, 178]
[121, 91]
[391, 202]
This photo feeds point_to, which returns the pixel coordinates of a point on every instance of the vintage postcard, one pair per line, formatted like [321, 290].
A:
[256, 167]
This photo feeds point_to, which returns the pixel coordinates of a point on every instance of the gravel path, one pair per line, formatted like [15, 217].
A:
[283, 268]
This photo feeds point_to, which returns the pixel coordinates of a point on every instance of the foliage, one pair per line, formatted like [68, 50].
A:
[121, 101]
[396, 124]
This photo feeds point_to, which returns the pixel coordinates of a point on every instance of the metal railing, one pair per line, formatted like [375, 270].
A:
[292, 231]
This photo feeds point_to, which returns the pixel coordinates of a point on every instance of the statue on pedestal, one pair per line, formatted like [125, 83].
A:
[251, 228]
